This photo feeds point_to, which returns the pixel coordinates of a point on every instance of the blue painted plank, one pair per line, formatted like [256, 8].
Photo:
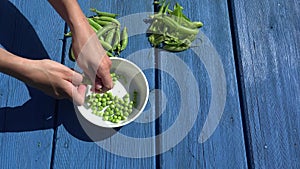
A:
[132, 146]
[267, 34]
[30, 29]
[200, 121]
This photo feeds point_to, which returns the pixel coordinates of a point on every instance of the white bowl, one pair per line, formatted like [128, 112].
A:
[132, 79]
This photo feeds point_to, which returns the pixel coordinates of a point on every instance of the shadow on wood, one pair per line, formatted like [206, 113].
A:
[19, 37]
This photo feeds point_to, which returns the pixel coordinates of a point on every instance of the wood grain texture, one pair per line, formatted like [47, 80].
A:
[82, 145]
[225, 148]
[267, 34]
[32, 30]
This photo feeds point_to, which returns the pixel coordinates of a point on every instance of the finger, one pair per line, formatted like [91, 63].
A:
[75, 93]
[104, 73]
[103, 87]
[77, 78]
[79, 94]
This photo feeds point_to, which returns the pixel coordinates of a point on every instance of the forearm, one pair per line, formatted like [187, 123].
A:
[13, 65]
[71, 12]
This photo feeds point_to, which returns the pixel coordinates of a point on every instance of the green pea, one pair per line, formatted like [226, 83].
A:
[114, 79]
[126, 100]
[106, 113]
[100, 108]
[126, 95]
[105, 118]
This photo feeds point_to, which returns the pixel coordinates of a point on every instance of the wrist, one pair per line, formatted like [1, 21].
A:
[15, 66]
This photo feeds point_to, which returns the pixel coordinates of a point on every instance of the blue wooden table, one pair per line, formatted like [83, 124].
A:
[232, 101]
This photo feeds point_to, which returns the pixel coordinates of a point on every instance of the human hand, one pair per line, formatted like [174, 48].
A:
[91, 57]
[55, 80]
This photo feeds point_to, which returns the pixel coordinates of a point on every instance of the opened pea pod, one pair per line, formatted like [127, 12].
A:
[171, 30]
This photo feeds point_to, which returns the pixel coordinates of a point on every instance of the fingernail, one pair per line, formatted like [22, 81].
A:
[98, 87]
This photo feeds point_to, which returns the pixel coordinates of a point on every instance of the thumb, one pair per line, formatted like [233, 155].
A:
[78, 94]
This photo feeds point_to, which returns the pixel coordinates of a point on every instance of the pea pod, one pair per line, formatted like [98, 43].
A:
[102, 23]
[171, 23]
[69, 34]
[100, 13]
[198, 24]
[124, 38]
[156, 39]
[94, 24]
[109, 19]
[71, 54]
[109, 54]
[175, 48]
[116, 40]
[110, 35]
[105, 45]
[104, 30]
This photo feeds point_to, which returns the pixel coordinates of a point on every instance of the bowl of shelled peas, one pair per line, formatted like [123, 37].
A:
[123, 103]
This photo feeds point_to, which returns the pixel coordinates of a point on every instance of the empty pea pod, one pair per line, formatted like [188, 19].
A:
[171, 23]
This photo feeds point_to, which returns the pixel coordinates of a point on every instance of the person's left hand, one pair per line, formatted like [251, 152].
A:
[55, 80]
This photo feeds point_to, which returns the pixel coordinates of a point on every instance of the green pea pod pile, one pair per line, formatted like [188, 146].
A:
[171, 29]
[108, 29]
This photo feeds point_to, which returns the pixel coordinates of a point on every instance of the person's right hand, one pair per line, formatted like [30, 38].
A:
[91, 57]
[89, 54]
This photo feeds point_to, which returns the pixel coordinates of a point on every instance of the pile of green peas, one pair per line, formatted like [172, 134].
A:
[110, 108]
